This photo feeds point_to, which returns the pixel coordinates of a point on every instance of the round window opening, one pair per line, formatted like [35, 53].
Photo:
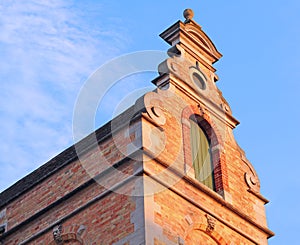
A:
[198, 80]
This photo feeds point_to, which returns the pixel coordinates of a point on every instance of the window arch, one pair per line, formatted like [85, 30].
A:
[201, 154]
[194, 115]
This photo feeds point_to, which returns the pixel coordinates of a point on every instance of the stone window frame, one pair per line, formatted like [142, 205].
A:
[206, 124]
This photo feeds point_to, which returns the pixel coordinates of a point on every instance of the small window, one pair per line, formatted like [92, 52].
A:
[198, 80]
[201, 155]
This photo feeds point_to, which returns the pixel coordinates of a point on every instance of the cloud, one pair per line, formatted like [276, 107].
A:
[48, 49]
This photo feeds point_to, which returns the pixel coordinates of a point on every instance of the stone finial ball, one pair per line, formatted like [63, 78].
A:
[188, 14]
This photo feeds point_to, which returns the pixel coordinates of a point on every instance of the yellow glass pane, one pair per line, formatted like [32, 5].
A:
[201, 155]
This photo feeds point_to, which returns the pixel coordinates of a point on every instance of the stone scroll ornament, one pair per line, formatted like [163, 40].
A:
[57, 232]
[252, 181]
[177, 64]
[154, 108]
[67, 237]
[211, 223]
[251, 178]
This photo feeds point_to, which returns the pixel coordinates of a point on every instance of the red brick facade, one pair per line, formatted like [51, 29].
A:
[137, 185]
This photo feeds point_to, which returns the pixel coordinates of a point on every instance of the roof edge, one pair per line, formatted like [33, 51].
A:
[67, 156]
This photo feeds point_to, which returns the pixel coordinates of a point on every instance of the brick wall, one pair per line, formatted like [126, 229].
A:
[72, 197]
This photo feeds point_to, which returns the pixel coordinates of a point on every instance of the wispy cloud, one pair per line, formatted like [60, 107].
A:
[48, 48]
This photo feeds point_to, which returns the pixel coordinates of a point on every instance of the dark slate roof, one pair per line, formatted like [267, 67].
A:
[67, 156]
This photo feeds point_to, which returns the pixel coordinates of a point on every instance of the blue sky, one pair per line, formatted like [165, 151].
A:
[49, 48]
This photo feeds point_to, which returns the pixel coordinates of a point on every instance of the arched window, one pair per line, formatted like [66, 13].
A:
[201, 155]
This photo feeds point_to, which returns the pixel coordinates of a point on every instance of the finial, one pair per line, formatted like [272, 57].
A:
[188, 14]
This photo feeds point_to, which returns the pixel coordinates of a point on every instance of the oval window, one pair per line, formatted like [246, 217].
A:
[199, 81]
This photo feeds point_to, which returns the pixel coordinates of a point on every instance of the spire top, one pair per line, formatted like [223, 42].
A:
[188, 14]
